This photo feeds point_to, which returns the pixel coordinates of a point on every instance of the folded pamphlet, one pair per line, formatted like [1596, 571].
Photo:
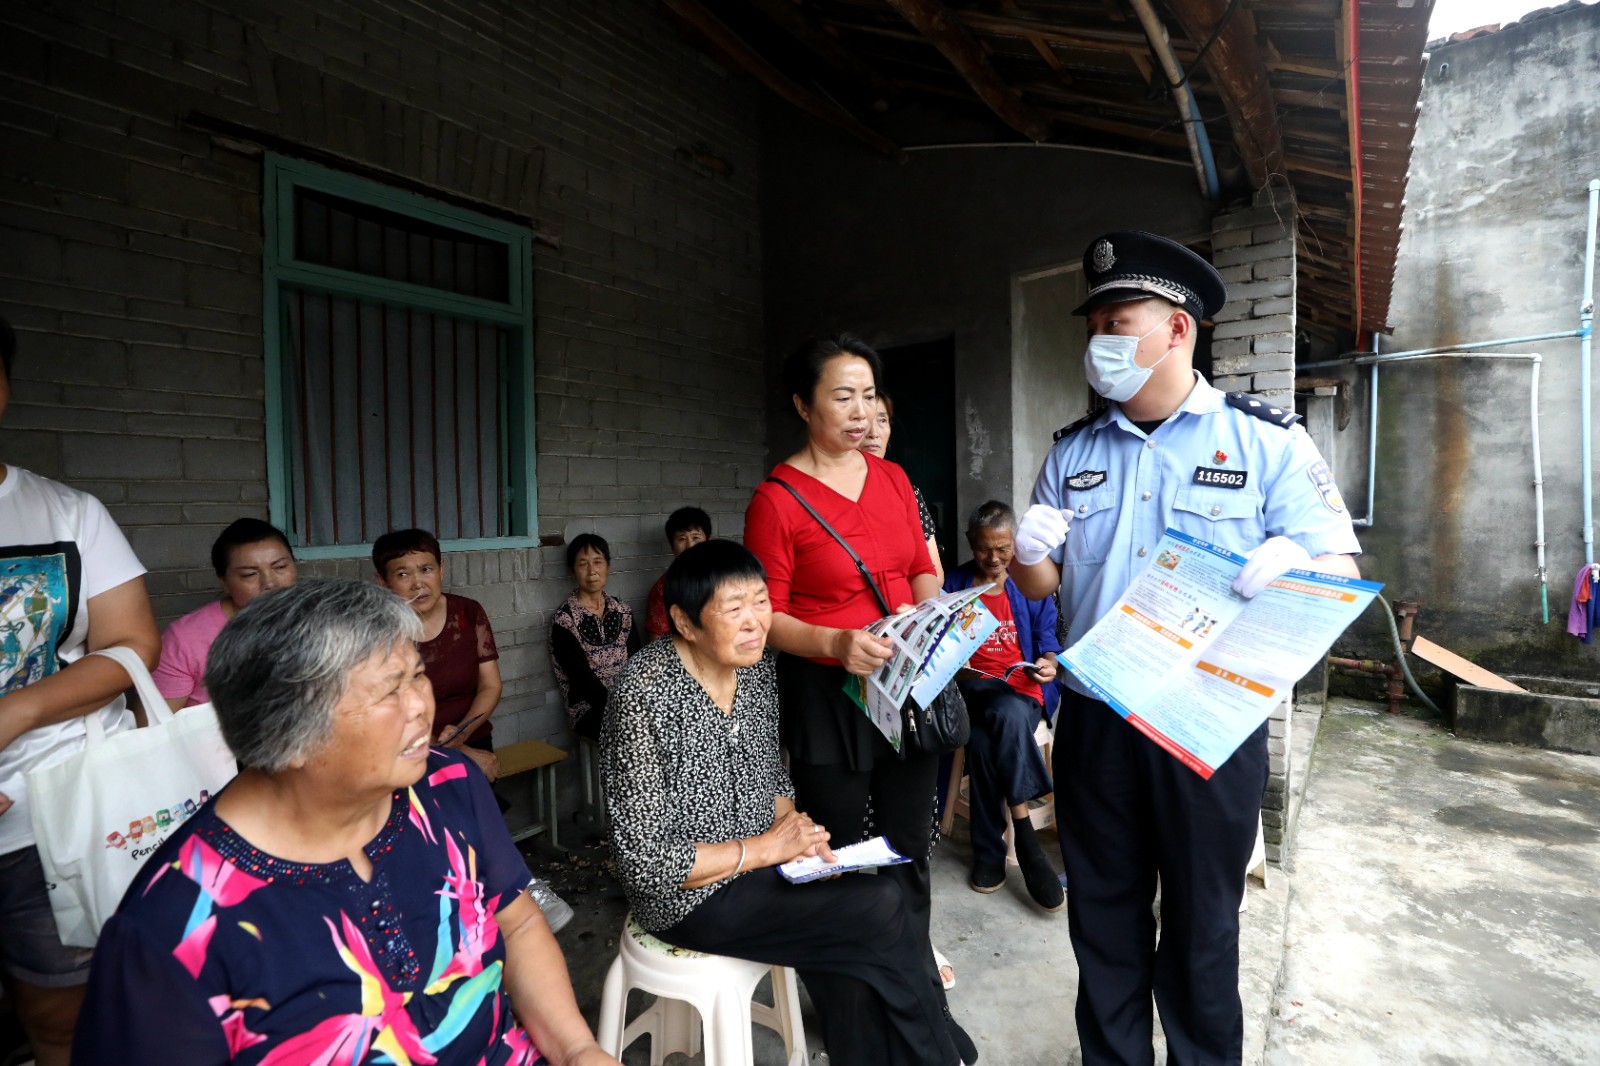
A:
[862, 856]
[1195, 666]
[930, 644]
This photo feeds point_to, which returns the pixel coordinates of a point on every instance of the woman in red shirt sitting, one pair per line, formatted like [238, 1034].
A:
[844, 771]
[1005, 701]
[457, 645]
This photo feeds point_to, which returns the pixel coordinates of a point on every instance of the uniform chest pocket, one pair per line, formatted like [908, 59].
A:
[1229, 517]
[1094, 524]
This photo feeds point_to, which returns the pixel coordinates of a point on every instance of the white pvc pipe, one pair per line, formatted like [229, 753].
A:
[1372, 446]
[1533, 422]
[1538, 490]
[1586, 328]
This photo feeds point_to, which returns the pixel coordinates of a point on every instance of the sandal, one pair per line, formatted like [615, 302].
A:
[944, 964]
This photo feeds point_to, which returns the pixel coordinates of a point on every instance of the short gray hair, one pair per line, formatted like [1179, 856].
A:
[280, 666]
[992, 514]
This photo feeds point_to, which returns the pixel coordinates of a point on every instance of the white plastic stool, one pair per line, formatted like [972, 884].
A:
[683, 981]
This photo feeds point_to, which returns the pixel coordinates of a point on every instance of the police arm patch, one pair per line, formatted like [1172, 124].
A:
[1322, 480]
[1085, 479]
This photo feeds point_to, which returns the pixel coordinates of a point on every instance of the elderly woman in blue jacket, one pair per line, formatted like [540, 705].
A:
[1008, 684]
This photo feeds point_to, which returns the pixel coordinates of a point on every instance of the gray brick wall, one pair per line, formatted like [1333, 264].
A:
[1252, 347]
[1252, 350]
[130, 262]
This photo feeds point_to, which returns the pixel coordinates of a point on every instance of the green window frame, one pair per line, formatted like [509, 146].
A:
[287, 277]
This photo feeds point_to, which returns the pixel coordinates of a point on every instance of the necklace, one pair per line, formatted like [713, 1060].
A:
[723, 704]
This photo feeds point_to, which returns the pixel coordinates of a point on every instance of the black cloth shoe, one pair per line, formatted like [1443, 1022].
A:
[1037, 873]
[987, 877]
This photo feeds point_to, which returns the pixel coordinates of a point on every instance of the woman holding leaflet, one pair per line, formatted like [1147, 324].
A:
[845, 773]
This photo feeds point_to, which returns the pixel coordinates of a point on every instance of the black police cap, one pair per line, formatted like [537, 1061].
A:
[1133, 265]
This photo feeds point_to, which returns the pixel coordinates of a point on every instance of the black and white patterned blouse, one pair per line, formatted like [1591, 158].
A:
[924, 515]
[678, 771]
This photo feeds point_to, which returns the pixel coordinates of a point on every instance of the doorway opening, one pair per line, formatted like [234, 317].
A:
[922, 380]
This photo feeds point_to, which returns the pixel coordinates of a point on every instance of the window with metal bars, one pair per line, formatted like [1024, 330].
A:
[399, 365]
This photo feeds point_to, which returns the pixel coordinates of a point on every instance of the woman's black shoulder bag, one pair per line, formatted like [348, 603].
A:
[941, 726]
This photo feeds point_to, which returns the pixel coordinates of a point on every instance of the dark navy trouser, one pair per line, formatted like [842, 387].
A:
[1128, 811]
[1003, 762]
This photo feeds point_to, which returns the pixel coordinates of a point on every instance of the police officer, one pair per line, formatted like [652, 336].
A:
[1230, 469]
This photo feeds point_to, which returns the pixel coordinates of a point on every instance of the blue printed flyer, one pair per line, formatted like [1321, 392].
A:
[1197, 667]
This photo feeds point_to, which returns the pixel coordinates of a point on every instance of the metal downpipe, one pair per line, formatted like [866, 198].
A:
[1194, 129]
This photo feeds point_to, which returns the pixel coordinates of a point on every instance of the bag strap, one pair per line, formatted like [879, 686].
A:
[155, 705]
[861, 567]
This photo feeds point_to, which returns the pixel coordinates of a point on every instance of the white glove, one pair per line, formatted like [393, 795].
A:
[1042, 530]
[1268, 563]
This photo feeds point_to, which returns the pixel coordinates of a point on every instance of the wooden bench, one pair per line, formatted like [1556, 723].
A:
[540, 759]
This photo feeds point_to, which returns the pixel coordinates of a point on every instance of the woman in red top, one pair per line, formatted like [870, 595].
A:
[844, 772]
[457, 645]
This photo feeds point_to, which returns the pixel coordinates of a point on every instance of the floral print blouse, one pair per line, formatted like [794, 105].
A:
[677, 771]
[221, 953]
[587, 652]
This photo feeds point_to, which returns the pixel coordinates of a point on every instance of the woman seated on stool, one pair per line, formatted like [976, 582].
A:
[702, 810]
[1003, 759]
[591, 636]
[352, 896]
[457, 644]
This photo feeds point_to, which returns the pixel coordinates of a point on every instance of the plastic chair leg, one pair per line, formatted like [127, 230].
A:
[613, 1010]
[729, 1041]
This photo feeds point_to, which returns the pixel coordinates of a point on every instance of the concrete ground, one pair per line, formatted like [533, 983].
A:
[1441, 907]
[1445, 902]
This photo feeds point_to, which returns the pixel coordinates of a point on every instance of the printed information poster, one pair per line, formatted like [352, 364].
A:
[1197, 667]
[930, 644]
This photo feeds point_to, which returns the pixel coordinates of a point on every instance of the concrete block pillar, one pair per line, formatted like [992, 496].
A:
[1252, 347]
[1252, 350]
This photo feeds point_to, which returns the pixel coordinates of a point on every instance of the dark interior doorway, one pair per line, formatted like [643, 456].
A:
[922, 380]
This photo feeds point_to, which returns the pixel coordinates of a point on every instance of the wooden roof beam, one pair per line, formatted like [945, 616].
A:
[940, 26]
[1088, 39]
[1239, 71]
[1043, 48]
[803, 28]
[739, 56]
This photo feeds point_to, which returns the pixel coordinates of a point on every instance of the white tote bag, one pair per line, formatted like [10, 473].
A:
[98, 815]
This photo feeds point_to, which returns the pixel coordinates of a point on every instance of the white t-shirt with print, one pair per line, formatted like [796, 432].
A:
[58, 550]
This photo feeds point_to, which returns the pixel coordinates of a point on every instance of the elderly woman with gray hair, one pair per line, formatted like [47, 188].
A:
[1008, 683]
[352, 896]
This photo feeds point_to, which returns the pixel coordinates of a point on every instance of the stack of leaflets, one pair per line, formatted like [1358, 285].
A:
[930, 643]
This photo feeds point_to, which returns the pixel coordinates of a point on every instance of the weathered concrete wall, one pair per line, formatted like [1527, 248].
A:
[908, 252]
[1047, 382]
[1507, 141]
[130, 262]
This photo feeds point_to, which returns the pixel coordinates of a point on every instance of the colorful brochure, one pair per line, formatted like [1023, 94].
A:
[1197, 667]
[930, 643]
[862, 856]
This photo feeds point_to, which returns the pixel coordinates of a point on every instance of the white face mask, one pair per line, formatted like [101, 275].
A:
[1109, 364]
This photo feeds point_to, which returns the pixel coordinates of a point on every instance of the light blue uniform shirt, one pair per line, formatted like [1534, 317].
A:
[1210, 470]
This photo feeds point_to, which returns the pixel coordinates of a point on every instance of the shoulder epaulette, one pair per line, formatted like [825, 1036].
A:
[1067, 431]
[1258, 408]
